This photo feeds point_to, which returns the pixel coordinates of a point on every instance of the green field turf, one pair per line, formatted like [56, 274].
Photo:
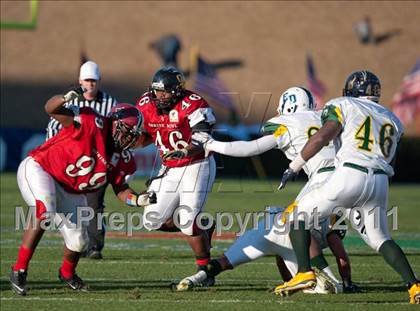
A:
[136, 273]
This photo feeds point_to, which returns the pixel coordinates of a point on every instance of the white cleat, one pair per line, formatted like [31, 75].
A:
[324, 285]
[197, 280]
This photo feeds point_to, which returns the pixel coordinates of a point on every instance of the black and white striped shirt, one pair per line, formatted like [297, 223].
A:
[102, 104]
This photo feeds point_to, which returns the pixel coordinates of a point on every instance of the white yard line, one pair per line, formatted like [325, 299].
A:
[212, 301]
[155, 262]
[141, 300]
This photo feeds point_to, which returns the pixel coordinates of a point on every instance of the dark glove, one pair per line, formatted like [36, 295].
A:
[288, 174]
[74, 93]
[146, 198]
[175, 154]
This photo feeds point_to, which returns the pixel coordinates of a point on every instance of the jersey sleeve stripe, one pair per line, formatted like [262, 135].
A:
[269, 128]
[332, 113]
[280, 131]
[339, 115]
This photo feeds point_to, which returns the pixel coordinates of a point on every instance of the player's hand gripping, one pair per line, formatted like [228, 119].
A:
[146, 198]
[74, 93]
[201, 139]
[288, 174]
[175, 154]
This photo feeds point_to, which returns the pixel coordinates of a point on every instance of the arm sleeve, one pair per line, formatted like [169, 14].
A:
[332, 113]
[201, 115]
[243, 148]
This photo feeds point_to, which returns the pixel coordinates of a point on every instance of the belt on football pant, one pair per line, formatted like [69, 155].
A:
[376, 171]
[326, 169]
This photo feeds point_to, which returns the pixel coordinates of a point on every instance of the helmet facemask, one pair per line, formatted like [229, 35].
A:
[126, 125]
[363, 84]
[124, 136]
[172, 83]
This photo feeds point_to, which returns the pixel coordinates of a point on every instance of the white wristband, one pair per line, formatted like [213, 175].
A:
[297, 164]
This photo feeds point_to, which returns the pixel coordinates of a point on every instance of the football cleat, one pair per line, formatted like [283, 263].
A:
[94, 254]
[300, 281]
[199, 279]
[75, 282]
[414, 292]
[18, 281]
[324, 284]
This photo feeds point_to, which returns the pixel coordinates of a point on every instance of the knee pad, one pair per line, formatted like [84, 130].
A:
[376, 245]
[76, 240]
[189, 230]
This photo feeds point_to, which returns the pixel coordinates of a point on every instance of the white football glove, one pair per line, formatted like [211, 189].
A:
[201, 138]
[74, 93]
[146, 198]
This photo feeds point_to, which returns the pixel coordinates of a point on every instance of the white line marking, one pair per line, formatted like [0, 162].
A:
[141, 300]
[187, 262]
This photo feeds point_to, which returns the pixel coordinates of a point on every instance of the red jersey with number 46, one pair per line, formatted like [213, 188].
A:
[76, 157]
[173, 131]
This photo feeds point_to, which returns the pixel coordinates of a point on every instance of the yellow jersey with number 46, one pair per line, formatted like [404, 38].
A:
[370, 132]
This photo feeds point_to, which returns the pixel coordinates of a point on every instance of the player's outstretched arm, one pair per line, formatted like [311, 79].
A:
[326, 133]
[131, 198]
[240, 148]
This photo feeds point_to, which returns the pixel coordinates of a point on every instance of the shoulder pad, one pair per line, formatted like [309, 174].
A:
[144, 99]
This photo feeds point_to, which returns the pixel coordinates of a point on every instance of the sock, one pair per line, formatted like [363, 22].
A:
[24, 256]
[67, 268]
[202, 262]
[214, 268]
[395, 257]
[301, 239]
[319, 262]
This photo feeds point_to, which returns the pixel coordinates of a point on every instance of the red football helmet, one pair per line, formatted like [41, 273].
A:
[126, 125]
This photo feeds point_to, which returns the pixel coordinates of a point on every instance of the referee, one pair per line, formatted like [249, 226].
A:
[102, 103]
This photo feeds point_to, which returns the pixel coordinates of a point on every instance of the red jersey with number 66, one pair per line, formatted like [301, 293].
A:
[77, 156]
[173, 131]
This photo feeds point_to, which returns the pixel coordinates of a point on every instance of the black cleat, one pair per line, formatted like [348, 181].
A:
[18, 281]
[75, 282]
[94, 254]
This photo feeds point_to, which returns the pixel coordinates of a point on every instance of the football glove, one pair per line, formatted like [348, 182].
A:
[175, 154]
[74, 93]
[201, 138]
[288, 174]
[146, 198]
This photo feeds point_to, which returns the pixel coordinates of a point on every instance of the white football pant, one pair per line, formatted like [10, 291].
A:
[181, 192]
[37, 185]
[364, 196]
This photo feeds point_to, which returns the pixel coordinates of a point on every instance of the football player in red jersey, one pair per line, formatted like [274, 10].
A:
[87, 153]
[171, 114]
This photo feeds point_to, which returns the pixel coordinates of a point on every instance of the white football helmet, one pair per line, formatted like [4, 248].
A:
[295, 99]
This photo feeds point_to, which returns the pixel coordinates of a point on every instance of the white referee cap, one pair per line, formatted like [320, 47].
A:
[89, 70]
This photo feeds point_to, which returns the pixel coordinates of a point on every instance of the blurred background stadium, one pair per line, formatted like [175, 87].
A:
[240, 56]
[250, 52]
